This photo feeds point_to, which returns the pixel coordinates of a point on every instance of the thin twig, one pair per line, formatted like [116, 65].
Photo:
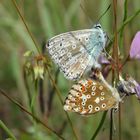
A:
[128, 20]
[51, 94]
[40, 87]
[124, 19]
[41, 97]
[124, 24]
[60, 98]
[99, 126]
[59, 95]
[29, 113]
[23, 20]
[125, 61]
[27, 86]
[111, 125]
[7, 130]
[115, 71]
[104, 12]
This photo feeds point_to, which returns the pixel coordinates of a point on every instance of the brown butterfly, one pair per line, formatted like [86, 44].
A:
[91, 96]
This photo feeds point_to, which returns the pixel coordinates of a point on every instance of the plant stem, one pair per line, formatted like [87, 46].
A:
[119, 115]
[125, 61]
[124, 24]
[111, 125]
[124, 19]
[100, 126]
[60, 98]
[18, 10]
[23, 20]
[115, 45]
[41, 96]
[29, 113]
[115, 71]
[128, 20]
[2, 125]
[51, 94]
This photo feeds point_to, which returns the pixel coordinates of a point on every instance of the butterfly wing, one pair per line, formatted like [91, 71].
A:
[89, 97]
[71, 51]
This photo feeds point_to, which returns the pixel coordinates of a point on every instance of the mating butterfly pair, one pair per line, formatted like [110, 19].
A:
[76, 52]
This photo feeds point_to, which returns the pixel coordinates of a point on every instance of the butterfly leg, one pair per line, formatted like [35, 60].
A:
[95, 73]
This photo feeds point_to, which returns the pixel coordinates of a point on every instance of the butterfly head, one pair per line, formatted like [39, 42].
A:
[99, 27]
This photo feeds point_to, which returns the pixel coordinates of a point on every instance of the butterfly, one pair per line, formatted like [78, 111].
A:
[89, 96]
[76, 51]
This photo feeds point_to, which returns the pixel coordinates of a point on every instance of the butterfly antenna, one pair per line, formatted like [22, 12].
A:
[109, 55]
[104, 13]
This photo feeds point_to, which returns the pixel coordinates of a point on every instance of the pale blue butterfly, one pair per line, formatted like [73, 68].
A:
[77, 51]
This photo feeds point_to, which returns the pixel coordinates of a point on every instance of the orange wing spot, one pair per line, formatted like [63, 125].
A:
[90, 82]
[83, 88]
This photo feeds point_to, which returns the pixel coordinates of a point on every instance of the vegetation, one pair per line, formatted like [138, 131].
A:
[34, 90]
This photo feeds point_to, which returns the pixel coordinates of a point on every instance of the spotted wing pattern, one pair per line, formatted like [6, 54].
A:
[71, 51]
[89, 96]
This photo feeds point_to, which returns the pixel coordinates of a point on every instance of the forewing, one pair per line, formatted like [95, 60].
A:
[69, 51]
[88, 97]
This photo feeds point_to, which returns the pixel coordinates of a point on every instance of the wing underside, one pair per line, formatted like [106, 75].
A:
[89, 97]
[68, 50]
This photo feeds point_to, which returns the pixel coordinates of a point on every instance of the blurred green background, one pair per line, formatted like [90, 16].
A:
[46, 18]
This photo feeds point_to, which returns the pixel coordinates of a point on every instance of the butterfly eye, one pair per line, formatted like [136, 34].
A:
[103, 105]
[98, 26]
